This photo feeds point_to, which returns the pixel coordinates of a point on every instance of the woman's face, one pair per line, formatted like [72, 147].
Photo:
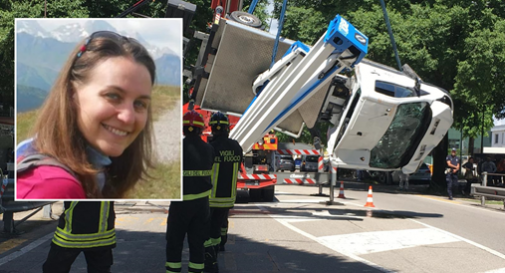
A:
[112, 106]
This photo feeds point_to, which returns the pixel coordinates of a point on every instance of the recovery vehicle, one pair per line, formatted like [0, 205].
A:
[381, 118]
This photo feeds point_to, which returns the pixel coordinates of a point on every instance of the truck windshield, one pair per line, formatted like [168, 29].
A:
[312, 158]
[398, 144]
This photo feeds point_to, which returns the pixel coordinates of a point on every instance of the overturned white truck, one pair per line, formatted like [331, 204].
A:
[382, 119]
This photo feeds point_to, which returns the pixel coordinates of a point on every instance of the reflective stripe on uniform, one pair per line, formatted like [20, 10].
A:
[190, 173]
[215, 175]
[57, 240]
[68, 216]
[222, 199]
[188, 197]
[222, 202]
[224, 231]
[103, 237]
[104, 216]
[220, 122]
[212, 242]
[194, 123]
[221, 205]
[173, 267]
[198, 266]
[84, 237]
[230, 201]
[234, 181]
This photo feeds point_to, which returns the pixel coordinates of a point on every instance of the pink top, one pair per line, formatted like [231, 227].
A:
[48, 182]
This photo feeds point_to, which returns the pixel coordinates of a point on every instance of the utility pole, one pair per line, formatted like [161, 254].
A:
[45, 8]
[482, 131]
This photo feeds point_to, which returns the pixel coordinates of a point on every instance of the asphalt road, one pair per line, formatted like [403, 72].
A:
[405, 232]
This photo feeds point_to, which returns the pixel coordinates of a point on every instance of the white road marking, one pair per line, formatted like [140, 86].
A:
[314, 238]
[315, 216]
[26, 249]
[494, 252]
[302, 201]
[378, 241]
[499, 270]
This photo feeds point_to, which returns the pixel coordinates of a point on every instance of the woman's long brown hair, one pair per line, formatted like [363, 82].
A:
[56, 132]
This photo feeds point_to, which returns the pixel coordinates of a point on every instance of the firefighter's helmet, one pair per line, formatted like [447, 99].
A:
[219, 122]
[193, 119]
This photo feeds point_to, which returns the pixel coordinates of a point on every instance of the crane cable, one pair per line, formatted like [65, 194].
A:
[279, 29]
[391, 37]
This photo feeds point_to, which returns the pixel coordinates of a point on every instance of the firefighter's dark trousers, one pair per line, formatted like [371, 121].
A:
[191, 217]
[60, 259]
[217, 217]
[224, 231]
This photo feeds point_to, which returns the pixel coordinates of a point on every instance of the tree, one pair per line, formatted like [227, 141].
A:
[55, 9]
[455, 44]
[8, 11]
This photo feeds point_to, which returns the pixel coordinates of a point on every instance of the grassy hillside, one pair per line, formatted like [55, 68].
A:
[164, 98]
[164, 183]
[165, 178]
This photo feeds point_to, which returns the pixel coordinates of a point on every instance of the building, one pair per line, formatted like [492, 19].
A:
[456, 142]
[498, 133]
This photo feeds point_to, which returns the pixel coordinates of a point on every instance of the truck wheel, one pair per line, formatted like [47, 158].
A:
[385, 178]
[268, 194]
[254, 195]
[245, 19]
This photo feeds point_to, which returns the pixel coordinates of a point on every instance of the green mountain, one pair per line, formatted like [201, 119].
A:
[29, 98]
[35, 76]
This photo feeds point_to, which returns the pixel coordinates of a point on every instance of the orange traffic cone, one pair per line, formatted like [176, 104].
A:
[341, 193]
[369, 199]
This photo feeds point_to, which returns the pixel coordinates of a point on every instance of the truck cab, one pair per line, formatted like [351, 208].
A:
[389, 122]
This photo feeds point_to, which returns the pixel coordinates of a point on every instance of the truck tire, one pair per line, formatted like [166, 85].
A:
[254, 195]
[245, 19]
[268, 194]
[385, 178]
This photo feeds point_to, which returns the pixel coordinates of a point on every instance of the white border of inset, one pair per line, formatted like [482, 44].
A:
[167, 22]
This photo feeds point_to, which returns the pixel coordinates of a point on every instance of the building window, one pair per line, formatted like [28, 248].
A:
[496, 138]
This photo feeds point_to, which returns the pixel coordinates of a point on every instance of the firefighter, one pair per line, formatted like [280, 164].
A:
[83, 227]
[224, 191]
[191, 215]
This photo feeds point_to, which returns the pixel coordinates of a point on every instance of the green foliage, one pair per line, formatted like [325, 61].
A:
[66, 9]
[455, 44]
[260, 11]
[10, 10]
[314, 25]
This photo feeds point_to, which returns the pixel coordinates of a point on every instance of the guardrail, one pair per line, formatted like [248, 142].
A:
[8, 206]
[488, 191]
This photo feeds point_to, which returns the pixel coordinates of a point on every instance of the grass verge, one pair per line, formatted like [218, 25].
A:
[488, 202]
[24, 123]
[165, 183]
[164, 98]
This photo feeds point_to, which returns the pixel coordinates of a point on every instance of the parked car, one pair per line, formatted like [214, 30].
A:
[422, 175]
[298, 163]
[309, 163]
[286, 163]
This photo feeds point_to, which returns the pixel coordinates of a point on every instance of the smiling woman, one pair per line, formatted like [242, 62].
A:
[95, 126]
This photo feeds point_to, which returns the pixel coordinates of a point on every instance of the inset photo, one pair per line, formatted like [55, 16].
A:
[98, 109]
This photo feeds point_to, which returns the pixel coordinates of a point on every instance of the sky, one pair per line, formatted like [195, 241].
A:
[498, 122]
[161, 32]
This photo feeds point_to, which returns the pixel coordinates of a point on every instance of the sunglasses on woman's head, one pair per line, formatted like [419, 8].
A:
[108, 35]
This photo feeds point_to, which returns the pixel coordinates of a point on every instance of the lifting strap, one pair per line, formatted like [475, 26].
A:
[252, 7]
[279, 29]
